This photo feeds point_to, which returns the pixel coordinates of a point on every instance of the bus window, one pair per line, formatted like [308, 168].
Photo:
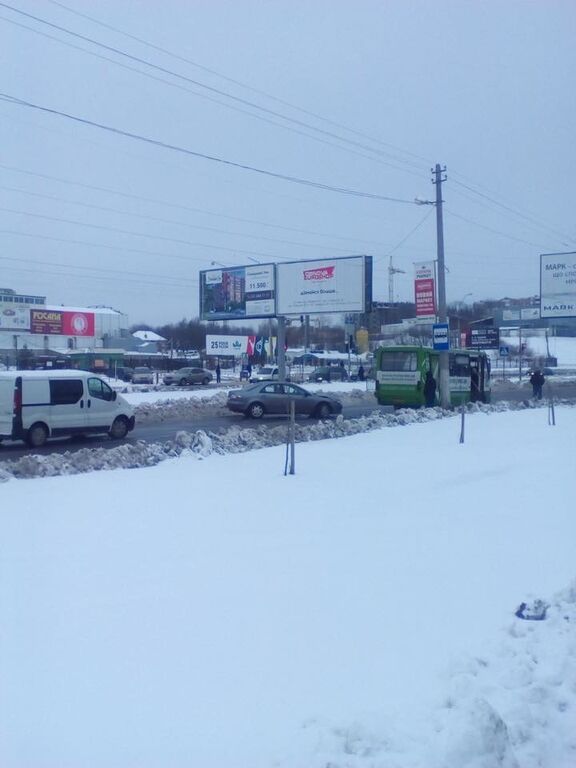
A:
[459, 365]
[398, 361]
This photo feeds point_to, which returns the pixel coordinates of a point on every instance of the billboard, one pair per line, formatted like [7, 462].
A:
[236, 293]
[236, 345]
[425, 289]
[14, 319]
[52, 322]
[558, 284]
[343, 284]
[484, 338]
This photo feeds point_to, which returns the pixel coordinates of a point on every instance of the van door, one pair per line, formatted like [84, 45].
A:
[6, 406]
[101, 406]
[67, 406]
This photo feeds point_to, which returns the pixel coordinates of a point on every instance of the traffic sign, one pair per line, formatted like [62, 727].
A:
[440, 336]
[504, 351]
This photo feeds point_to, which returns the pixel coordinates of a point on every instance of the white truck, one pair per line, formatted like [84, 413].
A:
[36, 405]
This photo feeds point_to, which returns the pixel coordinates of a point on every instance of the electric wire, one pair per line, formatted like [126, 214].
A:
[192, 81]
[243, 85]
[212, 158]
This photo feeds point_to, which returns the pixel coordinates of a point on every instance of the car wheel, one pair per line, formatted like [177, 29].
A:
[205, 380]
[323, 411]
[37, 435]
[119, 428]
[256, 411]
[184, 382]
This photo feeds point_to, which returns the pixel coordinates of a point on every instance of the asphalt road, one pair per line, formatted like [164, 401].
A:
[166, 430]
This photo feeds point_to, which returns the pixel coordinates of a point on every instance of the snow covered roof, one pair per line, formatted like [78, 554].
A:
[148, 336]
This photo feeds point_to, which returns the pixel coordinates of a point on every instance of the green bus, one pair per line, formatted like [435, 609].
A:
[400, 372]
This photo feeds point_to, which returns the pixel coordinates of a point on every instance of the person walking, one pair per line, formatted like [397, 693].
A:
[537, 380]
[430, 390]
[361, 373]
[218, 373]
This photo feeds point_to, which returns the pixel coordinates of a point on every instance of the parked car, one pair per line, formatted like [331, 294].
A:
[256, 400]
[185, 376]
[265, 373]
[143, 375]
[124, 373]
[329, 373]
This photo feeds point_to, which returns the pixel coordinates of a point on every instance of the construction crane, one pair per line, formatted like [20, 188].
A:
[391, 272]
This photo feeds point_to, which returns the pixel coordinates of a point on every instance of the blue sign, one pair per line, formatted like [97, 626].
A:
[440, 336]
[504, 351]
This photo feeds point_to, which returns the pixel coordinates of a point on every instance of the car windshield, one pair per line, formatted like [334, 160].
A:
[266, 370]
[141, 370]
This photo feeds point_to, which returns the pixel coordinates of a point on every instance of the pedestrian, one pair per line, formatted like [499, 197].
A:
[430, 390]
[474, 386]
[361, 373]
[218, 372]
[537, 380]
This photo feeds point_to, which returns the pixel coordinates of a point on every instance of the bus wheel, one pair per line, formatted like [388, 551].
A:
[37, 435]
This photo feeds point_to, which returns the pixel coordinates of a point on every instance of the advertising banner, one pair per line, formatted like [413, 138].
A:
[50, 322]
[14, 318]
[485, 338]
[325, 285]
[558, 284]
[235, 293]
[425, 289]
[229, 345]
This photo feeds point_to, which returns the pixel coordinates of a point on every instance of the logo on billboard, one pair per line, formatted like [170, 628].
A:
[79, 324]
[322, 273]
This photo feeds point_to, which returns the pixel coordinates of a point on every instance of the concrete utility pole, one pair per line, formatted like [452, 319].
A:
[444, 376]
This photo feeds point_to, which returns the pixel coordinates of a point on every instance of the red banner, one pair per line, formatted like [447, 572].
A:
[50, 322]
[424, 289]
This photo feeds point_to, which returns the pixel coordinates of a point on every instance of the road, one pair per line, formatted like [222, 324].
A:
[167, 429]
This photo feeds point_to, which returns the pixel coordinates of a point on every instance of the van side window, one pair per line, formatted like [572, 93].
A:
[65, 391]
[99, 389]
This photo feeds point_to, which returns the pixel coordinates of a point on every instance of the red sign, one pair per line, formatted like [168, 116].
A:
[322, 273]
[424, 298]
[51, 322]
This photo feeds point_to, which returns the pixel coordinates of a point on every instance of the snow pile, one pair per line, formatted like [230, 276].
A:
[236, 439]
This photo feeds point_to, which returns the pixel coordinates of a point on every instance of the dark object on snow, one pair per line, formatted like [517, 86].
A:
[535, 611]
[429, 390]
[537, 380]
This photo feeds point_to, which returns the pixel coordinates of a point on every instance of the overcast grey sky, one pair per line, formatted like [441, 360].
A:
[360, 95]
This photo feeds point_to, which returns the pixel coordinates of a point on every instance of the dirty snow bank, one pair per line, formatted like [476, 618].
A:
[236, 439]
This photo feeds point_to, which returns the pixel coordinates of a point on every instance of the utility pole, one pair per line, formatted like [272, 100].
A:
[444, 376]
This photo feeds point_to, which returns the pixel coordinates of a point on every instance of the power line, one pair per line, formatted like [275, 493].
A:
[147, 217]
[179, 206]
[494, 231]
[209, 98]
[119, 274]
[535, 224]
[243, 85]
[173, 147]
[178, 75]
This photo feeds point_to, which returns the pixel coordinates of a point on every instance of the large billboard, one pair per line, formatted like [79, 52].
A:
[324, 285]
[52, 322]
[14, 318]
[558, 284]
[424, 289]
[236, 293]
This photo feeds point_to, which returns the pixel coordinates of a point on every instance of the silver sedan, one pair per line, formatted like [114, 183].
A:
[257, 400]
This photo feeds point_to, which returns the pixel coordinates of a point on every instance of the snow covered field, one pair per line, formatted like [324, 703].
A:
[212, 612]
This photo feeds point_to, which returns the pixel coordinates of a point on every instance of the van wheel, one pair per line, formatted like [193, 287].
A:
[256, 411]
[37, 435]
[119, 428]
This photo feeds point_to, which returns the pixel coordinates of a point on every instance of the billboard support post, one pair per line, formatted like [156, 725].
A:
[281, 348]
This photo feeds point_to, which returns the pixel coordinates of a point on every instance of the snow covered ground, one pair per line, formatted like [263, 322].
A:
[210, 611]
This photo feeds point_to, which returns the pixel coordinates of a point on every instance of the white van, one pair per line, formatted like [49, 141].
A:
[36, 405]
